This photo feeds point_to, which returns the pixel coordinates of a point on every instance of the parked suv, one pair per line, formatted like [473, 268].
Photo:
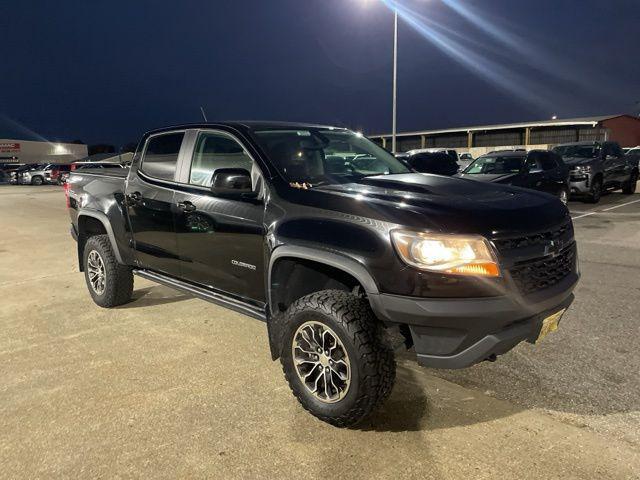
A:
[537, 169]
[438, 163]
[449, 151]
[633, 155]
[335, 244]
[596, 167]
[6, 170]
[16, 174]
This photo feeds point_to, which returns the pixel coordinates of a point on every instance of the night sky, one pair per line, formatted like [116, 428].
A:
[106, 71]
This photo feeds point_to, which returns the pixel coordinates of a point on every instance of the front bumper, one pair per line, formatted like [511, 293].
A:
[457, 333]
[580, 185]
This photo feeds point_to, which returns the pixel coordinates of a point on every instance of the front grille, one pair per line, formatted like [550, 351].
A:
[542, 238]
[542, 273]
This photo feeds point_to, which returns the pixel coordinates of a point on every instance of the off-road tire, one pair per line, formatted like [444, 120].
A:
[373, 367]
[630, 187]
[37, 180]
[118, 278]
[596, 191]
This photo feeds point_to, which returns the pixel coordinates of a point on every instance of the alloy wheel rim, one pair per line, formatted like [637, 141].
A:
[96, 272]
[321, 362]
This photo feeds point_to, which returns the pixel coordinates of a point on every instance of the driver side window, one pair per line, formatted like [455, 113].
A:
[548, 162]
[607, 150]
[215, 150]
[532, 162]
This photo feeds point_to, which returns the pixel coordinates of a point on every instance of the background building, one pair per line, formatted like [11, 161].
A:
[478, 140]
[29, 151]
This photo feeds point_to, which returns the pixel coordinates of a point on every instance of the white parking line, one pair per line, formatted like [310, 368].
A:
[618, 206]
[603, 210]
[583, 215]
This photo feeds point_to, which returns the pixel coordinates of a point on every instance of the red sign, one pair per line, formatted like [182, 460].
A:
[9, 147]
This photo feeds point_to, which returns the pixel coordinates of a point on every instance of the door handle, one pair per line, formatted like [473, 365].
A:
[187, 206]
[134, 197]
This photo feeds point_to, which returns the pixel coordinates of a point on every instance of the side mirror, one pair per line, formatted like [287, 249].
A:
[231, 182]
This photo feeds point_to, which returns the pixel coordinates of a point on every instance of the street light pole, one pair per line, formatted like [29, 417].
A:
[204, 115]
[395, 79]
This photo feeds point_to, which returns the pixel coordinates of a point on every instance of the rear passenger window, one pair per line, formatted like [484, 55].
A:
[532, 163]
[215, 150]
[617, 151]
[547, 162]
[161, 155]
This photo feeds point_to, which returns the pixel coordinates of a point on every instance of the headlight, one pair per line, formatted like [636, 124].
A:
[580, 169]
[457, 254]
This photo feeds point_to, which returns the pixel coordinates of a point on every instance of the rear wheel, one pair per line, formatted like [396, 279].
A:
[336, 358]
[110, 284]
[630, 186]
[596, 191]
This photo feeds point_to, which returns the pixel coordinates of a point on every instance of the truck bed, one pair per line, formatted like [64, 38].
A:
[107, 172]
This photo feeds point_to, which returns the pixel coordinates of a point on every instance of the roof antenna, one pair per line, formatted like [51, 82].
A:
[204, 115]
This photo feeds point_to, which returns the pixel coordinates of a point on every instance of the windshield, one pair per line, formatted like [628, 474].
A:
[324, 156]
[578, 151]
[496, 165]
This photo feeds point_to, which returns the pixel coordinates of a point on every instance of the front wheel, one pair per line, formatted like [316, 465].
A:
[630, 186]
[37, 180]
[596, 191]
[336, 358]
[110, 284]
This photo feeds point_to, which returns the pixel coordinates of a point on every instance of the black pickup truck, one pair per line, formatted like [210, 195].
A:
[335, 244]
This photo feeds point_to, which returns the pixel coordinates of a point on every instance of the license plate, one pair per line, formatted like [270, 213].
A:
[550, 324]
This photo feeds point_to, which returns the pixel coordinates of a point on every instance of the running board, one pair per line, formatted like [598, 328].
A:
[204, 294]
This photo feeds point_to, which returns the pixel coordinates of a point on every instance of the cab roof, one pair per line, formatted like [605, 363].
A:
[245, 125]
[507, 153]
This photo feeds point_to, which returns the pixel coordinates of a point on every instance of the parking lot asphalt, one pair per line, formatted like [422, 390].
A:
[170, 386]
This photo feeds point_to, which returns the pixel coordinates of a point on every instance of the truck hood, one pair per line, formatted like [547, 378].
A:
[575, 161]
[441, 203]
[496, 178]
